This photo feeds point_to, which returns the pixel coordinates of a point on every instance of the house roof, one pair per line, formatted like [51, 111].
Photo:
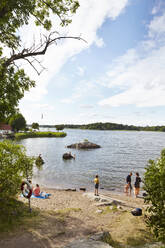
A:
[5, 127]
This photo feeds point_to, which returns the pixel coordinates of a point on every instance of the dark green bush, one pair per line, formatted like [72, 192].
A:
[154, 185]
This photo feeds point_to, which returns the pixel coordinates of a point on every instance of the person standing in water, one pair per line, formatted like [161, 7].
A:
[96, 182]
[137, 184]
[128, 185]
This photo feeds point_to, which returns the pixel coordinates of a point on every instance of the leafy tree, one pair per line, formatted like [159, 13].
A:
[154, 185]
[14, 166]
[35, 125]
[13, 15]
[17, 122]
[59, 127]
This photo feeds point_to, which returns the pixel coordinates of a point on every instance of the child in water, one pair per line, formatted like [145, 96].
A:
[96, 182]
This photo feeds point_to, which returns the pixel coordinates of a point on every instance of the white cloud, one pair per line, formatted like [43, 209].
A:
[99, 42]
[140, 72]
[88, 19]
[83, 90]
[159, 6]
[44, 106]
[86, 106]
[157, 26]
[80, 71]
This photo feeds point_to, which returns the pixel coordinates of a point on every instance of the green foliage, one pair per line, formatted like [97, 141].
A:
[39, 134]
[154, 185]
[59, 127]
[16, 13]
[17, 122]
[14, 165]
[13, 84]
[35, 125]
[13, 15]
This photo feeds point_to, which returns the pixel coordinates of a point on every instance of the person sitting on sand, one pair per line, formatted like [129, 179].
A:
[128, 185]
[137, 184]
[36, 190]
[96, 182]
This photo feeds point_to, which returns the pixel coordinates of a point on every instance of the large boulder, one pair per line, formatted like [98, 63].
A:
[98, 240]
[84, 145]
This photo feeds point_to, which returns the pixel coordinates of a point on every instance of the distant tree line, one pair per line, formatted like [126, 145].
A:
[115, 126]
[106, 126]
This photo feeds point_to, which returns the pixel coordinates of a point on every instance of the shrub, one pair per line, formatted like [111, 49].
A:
[154, 185]
[14, 166]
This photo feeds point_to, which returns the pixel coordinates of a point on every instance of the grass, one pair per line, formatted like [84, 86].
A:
[109, 209]
[66, 211]
[39, 134]
[129, 230]
[14, 214]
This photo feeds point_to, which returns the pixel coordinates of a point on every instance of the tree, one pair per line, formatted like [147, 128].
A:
[35, 125]
[59, 127]
[13, 15]
[154, 185]
[14, 166]
[17, 122]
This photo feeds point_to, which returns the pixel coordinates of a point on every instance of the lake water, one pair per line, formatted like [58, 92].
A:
[120, 153]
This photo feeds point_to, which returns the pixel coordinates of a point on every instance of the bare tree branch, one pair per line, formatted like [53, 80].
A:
[31, 63]
[38, 50]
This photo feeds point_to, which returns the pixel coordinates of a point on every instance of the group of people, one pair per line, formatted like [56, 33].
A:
[127, 187]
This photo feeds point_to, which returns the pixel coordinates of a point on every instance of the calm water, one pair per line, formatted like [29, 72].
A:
[121, 152]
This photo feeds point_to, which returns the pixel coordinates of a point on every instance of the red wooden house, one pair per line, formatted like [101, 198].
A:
[5, 128]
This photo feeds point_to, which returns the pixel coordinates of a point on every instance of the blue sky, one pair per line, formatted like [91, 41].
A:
[117, 76]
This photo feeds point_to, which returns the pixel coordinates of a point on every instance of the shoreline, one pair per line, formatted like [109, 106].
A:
[89, 190]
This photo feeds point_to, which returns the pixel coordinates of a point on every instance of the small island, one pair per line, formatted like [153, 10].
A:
[25, 135]
[84, 145]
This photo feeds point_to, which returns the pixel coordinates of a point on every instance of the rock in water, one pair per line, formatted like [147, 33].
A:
[84, 145]
[67, 156]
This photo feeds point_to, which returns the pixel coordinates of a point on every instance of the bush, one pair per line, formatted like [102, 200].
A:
[154, 185]
[14, 166]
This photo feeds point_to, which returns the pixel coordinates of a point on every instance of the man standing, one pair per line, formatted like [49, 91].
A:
[128, 185]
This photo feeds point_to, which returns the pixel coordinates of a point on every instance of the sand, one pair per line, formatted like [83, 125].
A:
[67, 216]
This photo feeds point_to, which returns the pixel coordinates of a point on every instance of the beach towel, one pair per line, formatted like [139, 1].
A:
[43, 195]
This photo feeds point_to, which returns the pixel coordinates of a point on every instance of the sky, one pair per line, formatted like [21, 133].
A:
[117, 75]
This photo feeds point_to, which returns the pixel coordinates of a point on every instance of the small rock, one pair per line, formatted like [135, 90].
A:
[103, 204]
[103, 200]
[88, 244]
[70, 189]
[97, 198]
[119, 207]
[99, 211]
[83, 189]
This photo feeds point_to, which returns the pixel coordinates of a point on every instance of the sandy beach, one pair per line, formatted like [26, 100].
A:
[67, 216]
[70, 215]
